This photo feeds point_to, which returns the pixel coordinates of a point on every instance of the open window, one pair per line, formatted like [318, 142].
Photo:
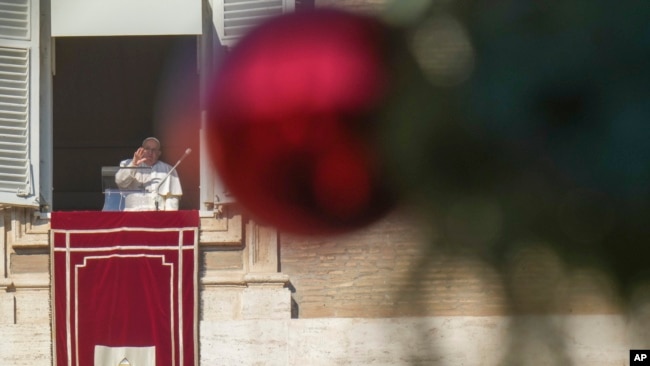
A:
[123, 70]
[80, 89]
[109, 93]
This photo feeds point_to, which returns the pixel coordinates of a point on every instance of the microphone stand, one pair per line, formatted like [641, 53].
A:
[187, 152]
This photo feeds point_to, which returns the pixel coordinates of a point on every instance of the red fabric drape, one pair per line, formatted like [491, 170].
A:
[125, 279]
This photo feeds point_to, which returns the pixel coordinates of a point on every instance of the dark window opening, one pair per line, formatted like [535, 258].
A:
[109, 93]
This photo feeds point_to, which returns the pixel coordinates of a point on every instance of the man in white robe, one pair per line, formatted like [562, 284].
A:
[149, 179]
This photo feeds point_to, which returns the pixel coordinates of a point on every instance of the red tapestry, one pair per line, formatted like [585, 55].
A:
[125, 280]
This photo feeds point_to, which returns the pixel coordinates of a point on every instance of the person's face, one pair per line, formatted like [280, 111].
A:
[151, 152]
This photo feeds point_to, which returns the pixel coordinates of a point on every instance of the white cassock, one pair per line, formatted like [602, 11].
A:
[147, 191]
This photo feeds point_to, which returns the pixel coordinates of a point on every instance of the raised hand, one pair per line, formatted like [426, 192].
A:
[139, 156]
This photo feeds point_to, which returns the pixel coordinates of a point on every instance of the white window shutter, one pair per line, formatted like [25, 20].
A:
[18, 102]
[213, 191]
[233, 18]
[14, 19]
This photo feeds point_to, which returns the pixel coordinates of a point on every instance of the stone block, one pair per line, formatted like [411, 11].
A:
[221, 303]
[32, 262]
[7, 307]
[33, 306]
[259, 302]
[25, 345]
[244, 342]
[214, 259]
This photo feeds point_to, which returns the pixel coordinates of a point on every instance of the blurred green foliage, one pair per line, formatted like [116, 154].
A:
[544, 138]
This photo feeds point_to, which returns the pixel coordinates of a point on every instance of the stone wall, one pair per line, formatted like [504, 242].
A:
[376, 296]
[25, 331]
[238, 279]
[397, 268]
[458, 340]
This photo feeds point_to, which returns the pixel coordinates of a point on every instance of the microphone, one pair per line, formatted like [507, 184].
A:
[187, 152]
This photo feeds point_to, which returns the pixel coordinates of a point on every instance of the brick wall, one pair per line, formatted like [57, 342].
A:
[382, 271]
[390, 270]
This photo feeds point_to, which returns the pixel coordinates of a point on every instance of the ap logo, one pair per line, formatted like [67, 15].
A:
[639, 357]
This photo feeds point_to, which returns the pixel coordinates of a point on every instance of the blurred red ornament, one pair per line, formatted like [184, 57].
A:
[291, 121]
